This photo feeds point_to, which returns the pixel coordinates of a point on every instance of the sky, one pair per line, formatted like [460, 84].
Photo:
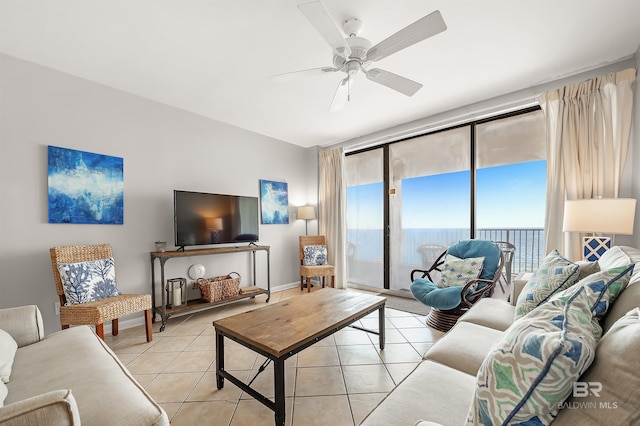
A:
[510, 196]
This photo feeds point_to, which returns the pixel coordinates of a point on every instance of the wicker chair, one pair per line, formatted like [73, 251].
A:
[96, 312]
[309, 271]
[449, 303]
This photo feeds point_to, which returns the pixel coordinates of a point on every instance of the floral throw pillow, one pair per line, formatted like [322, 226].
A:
[88, 281]
[314, 255]
[458, 272]
[554, 275]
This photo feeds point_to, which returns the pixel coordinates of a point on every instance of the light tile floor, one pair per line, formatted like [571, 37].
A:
[337, 381]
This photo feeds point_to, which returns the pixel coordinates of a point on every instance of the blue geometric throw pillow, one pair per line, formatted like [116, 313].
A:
[314, 255]
[554, 275]
[601, 289]
[84, 282]
[530, 371]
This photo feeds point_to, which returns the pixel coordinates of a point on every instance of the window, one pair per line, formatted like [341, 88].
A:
[486, 179]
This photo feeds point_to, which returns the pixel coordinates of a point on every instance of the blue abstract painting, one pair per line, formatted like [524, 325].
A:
[274, 202]
[85, 187]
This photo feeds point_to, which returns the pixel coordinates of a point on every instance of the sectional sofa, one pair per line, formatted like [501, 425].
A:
[68, 378]
[455, 384]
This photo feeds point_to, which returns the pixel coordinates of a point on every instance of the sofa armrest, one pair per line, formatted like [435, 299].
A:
[517, 285]
[23, 323]
[52, 408]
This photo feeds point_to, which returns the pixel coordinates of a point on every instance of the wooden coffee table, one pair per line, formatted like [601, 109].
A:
[283, 329]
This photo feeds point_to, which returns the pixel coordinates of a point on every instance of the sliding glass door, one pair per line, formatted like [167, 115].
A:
[365, 219]
[409, 200]
[429, 200]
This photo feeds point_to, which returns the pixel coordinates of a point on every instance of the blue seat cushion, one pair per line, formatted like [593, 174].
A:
[431, 295]
[448, 298]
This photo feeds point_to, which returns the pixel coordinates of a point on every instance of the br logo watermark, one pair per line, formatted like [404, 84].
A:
[583, 390]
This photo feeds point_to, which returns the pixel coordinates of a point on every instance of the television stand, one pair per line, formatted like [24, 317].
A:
[201, 304]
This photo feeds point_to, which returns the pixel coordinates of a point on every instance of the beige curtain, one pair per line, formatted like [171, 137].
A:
[332, 201]
[588, 126]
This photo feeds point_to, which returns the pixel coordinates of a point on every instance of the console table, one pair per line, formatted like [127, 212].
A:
[199, 304]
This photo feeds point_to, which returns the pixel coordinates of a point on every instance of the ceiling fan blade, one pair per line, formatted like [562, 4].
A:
[317, 14]
[342, 95]
[422, 29]
[303, 73]
[393, 81]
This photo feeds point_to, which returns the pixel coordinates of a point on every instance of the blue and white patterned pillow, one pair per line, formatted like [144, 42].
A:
[88, 281]
[554, 275]
[530, 371]
[458, 272]
[602, 289]
[314, 255]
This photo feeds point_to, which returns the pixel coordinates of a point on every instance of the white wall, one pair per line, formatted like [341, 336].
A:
[164, 148]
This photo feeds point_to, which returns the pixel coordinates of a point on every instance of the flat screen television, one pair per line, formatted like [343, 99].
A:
[202, 218]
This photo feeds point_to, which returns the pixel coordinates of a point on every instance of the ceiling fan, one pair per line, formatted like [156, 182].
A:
[354, 54]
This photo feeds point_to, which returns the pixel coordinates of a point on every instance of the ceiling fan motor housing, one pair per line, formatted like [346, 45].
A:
[358, 57]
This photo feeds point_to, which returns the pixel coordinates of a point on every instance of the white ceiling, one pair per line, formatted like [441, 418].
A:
[214, 57]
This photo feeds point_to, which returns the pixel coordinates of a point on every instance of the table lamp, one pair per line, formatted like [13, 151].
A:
[599, 216]
[306, 213]
[214, 224]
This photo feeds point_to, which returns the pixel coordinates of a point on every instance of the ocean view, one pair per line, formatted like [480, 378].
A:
[366, 245]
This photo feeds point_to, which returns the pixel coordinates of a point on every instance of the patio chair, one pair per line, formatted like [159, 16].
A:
[508, 252]
[313, 260]
[429, 253]
[95, 312]
[462, 283]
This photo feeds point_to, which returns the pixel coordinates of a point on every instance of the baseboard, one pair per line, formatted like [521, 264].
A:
[139, 319]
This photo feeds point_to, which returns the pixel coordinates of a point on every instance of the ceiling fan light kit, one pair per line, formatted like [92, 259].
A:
[355, 53]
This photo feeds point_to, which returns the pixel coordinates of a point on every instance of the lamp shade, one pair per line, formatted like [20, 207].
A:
[600, 215]
[214, 223]
[306, 212]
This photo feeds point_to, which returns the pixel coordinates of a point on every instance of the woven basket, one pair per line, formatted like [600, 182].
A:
[216, 289]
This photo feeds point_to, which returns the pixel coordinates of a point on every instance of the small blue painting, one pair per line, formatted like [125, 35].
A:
[85, 187]
[274, 201]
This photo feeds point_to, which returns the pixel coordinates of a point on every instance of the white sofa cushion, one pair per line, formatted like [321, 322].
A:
[8, 348]
[464, 347]
[626, 301]
[432, 392]
[103, 388]
[23, 323]
[51, 408]
[620, 256]
[489, 312]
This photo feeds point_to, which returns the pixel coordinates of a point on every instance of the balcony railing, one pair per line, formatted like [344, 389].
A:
[367, 245]
[529, 242]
